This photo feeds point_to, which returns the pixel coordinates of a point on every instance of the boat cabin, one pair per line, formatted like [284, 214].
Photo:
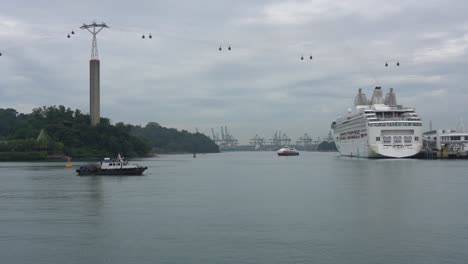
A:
[119, 163]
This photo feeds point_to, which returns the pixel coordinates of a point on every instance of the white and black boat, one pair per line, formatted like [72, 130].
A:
[108, 166]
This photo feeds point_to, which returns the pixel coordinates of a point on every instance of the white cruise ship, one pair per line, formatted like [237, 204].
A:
[378, 128]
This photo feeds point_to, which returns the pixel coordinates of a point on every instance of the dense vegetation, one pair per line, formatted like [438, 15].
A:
[170, 140]
[62, 131]
[327, 146]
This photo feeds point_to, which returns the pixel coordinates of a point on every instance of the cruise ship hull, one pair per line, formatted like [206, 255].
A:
[360, 148]
[378, 128]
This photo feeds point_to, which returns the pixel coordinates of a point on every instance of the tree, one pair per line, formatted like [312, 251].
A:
[68, 132]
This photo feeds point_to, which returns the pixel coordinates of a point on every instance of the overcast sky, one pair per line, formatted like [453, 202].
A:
[180, 79]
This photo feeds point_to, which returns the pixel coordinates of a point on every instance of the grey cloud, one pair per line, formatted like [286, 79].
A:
[179, 78]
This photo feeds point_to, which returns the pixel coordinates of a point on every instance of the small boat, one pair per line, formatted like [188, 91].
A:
[118, 166]
[287, 152]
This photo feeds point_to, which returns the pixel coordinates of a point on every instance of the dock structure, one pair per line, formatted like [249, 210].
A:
[280, 139]
[305, 142]
[227, 141]
[445, 144]
[442, 154]
[257, 142]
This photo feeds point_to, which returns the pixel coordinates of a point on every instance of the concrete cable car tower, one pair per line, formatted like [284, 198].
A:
[94, 80]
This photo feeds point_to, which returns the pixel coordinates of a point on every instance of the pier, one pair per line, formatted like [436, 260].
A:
[445, 144]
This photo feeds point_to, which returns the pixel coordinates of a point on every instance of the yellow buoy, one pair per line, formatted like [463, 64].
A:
[68, 165]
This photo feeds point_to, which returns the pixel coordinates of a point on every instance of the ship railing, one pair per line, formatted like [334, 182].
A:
[394, 119]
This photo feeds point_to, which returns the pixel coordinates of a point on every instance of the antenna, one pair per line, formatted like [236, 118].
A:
[94, 29]
[460, 125]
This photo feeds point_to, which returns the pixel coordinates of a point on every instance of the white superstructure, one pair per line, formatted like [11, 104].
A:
[117, 164]
[378, 128]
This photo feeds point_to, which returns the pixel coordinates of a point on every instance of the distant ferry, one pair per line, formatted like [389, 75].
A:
[108, 166]
[378, 128]
[287, 152]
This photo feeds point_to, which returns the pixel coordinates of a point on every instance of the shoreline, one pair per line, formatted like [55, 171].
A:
[21, 157]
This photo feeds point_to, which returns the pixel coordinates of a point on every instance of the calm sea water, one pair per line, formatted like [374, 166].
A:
[238, 208]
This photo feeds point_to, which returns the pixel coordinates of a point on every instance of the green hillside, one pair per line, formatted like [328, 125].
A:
[62, 131]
